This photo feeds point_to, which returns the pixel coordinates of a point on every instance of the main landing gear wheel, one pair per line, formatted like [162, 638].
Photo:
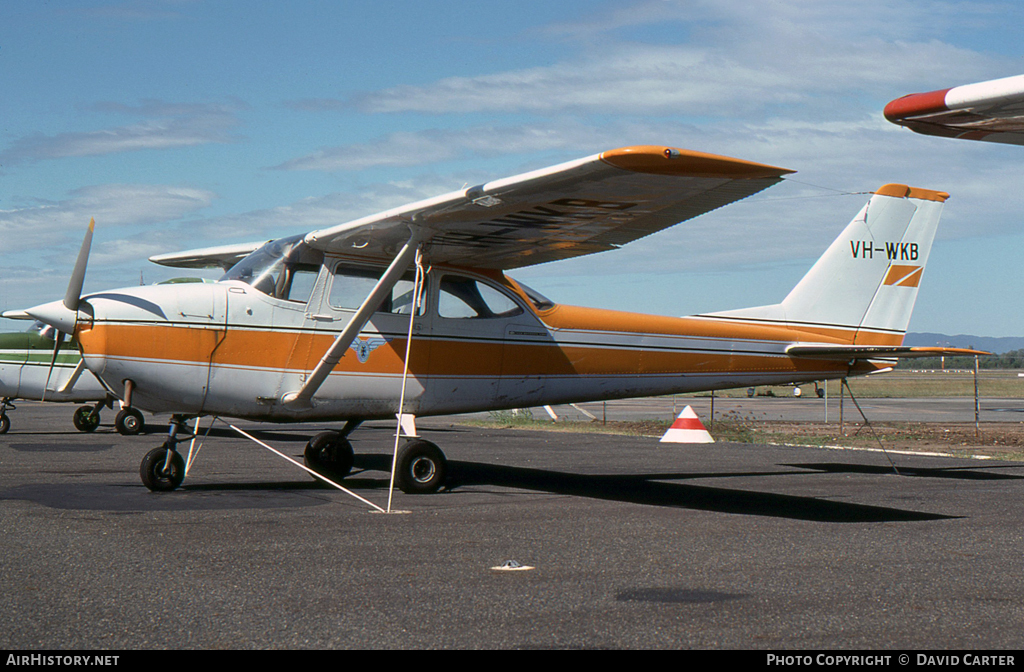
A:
[155, 472]
[5, 423]
[86, 419]
[422, 468]
[329, 454]
[129, 422]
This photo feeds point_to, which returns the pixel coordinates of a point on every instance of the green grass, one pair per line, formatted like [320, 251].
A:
[999, 383]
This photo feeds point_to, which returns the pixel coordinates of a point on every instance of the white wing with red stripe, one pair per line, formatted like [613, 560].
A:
[992, 111]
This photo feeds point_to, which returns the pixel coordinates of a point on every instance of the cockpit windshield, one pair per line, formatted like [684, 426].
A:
[285, 268]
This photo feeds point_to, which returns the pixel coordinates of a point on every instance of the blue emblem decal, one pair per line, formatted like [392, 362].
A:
[364, 346]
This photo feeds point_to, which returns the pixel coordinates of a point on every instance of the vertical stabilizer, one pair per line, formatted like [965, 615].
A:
[867, 281]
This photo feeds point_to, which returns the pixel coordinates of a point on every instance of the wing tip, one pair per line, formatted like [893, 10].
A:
[662, 160]
[915, 105]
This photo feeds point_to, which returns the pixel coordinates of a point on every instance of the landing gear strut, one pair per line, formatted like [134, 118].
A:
[163, 469]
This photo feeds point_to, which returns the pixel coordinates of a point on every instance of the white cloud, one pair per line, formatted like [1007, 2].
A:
[437, 145]
[166, 126]
[731, 59]
[112, 205]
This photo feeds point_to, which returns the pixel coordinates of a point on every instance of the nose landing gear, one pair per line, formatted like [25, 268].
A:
[163, 468]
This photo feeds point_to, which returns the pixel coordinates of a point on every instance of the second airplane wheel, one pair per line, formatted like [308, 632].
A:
[5, 423]
[86, 419]
[129, 422]
[329, 454]
[422, 468]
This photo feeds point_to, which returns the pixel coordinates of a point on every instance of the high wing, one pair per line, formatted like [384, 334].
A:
[593, 204]
[590, 205]
[992, 111]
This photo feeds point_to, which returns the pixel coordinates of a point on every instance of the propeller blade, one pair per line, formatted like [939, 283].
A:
[58, 338]
[74, 293]
[63, 315]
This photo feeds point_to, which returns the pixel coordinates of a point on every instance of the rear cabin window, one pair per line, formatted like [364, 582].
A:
[466, 298]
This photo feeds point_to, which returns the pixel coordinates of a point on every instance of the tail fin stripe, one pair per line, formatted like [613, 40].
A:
[904, 276]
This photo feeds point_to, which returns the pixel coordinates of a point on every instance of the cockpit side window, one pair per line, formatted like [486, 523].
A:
[466, 298]
[352, 284]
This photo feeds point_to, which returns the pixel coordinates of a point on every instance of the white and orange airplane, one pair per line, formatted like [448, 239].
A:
[992, 111]
[409, 312]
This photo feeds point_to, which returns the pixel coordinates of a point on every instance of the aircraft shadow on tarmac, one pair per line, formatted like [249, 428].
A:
[972, 473]
[652, 490]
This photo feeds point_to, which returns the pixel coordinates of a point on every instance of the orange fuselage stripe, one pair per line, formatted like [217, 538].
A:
[449, 356]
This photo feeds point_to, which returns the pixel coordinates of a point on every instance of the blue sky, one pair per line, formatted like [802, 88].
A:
[185, 123]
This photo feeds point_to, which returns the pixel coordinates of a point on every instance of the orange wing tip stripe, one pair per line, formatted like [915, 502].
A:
[92, 223]
[903, 191]
[904, 276]
[660, 160]
[915, 105]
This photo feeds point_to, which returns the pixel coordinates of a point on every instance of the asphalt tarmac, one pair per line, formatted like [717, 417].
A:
[632, 544]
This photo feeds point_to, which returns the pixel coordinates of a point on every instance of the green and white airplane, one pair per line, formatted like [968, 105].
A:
[32, 368]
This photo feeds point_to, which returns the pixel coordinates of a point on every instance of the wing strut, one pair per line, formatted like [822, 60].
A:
[406, 420]
[303, 397]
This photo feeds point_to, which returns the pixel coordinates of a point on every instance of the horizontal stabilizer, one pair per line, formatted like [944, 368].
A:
[848, 352]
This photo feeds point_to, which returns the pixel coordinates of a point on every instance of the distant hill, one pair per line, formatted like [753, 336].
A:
[997, 345]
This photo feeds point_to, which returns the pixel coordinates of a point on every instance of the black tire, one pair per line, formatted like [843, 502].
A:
[152, 470]
[5, 423]
[329, 454]
[422, 468]
[86, 419]
[129, 422]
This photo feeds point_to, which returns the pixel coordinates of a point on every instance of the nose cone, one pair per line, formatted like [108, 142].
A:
[55, 314]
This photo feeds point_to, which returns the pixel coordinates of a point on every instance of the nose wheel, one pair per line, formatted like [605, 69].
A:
[163, 468]
[86, 418]
[129, 422]
[5, 422]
